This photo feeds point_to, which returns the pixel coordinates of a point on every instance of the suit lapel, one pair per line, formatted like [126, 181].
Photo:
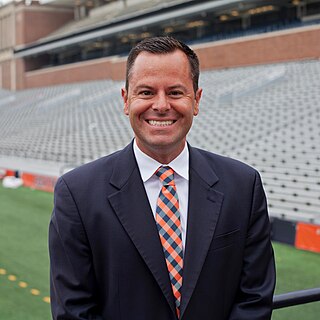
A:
[132, 207]
[203, 213]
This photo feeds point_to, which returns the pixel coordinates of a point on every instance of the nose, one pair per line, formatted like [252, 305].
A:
[161, 103]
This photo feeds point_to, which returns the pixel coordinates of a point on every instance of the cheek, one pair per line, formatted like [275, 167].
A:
[141, 110]
[135, 115]
[130, 110]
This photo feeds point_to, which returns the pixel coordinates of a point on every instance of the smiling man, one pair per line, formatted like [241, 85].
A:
[161, 102]
[161, 230]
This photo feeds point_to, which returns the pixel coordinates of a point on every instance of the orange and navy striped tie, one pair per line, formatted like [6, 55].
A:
[169, 226]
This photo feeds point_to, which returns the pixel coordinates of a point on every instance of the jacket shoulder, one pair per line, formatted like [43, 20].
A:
[102, 164]
[99, 169]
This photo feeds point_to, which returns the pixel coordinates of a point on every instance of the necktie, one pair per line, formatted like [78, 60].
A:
[169, 227]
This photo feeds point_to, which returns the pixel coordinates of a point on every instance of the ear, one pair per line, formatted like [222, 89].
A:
[124, 95]
[197, 98]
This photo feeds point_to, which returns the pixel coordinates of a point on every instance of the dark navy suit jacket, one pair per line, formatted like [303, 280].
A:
[106, 256]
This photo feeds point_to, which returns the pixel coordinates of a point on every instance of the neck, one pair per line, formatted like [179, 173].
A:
[163, 155]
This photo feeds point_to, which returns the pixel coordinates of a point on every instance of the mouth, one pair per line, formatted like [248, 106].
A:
[161, 123]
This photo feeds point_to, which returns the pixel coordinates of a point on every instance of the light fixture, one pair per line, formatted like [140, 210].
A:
[168, 30]
[194, 24]
[223, 17]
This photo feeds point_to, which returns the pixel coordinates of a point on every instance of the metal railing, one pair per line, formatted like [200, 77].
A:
[295, 298]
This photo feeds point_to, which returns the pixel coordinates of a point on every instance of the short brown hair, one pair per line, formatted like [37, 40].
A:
[163, 45]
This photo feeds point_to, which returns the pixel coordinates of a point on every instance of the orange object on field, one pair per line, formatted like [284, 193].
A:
[308, 237]
[38, 182]
[10, 173]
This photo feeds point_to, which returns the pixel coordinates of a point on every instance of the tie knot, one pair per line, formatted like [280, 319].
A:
[165, 174]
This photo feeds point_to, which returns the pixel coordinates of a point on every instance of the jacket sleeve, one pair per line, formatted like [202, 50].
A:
[256, 287]
[72, 280]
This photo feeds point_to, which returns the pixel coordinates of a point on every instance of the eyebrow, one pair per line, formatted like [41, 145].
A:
[145, 86]
[178, 86]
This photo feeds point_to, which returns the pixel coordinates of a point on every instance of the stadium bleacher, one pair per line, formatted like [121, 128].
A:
[267, 116]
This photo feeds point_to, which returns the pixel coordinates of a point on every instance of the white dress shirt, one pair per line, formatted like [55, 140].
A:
[153, 185]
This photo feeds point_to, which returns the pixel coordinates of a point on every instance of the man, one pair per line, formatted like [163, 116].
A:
[161, 230]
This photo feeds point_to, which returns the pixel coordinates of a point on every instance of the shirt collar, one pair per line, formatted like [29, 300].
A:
[148, 165]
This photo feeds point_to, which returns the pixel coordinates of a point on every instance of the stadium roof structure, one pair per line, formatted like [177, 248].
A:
[103, 23]
[67, 3]
[114, 13]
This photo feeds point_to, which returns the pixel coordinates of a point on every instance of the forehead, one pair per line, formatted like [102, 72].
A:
[174, 64]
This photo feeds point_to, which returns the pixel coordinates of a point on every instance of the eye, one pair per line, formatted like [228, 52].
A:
[176, 93]
[145, 93]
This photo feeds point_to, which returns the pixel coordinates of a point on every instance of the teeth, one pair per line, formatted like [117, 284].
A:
[160, 123]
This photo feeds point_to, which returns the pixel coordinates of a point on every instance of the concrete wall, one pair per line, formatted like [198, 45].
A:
[105, 68]
[34, 22]
[7, 42]
[288, 45]
[5, 74]
[19, 25]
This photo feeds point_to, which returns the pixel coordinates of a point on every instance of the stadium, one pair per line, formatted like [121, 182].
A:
[62, 65]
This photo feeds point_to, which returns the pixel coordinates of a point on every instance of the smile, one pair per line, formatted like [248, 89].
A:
[161, 123]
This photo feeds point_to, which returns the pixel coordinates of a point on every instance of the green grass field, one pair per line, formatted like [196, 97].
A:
[24, 262]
